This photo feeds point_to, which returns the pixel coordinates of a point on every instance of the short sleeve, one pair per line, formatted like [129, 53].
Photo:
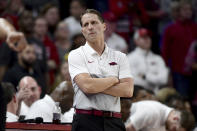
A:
[124, 70]
[76, 63]
[139, 118]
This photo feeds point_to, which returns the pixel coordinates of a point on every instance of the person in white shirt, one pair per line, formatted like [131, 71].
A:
[45, 107]
[29, 92]
[77, 7]
[148, 69]
[153, 116]
[100, 76]
[112, 39]
[11, 101]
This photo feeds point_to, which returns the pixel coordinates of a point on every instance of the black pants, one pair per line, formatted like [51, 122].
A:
[84, 122]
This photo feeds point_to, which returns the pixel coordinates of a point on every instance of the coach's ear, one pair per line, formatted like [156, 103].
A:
[104, 26]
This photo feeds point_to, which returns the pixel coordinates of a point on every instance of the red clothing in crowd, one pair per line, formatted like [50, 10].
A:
[13, 19]
[52, 54]
[176, 42]
[128, 11]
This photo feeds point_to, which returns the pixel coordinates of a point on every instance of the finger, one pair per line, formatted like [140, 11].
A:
[16, 37]
[21, 45]
[12, 46]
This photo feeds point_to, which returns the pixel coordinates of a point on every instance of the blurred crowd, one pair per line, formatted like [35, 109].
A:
[158, 36]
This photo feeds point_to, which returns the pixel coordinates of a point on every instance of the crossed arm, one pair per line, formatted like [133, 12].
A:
[109, 85]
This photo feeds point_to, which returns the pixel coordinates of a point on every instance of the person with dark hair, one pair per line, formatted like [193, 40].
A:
[77, 7]
[51, 14]
[175, 101]
[77, 40]
[187, 120]
[180, 34]
[140, 93]
[40, 33]
[11, 102]
[100, 76]
[27, 66]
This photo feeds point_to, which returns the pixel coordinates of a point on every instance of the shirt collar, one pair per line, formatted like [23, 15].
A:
[49, 100]
[142, 51]
[91, 51]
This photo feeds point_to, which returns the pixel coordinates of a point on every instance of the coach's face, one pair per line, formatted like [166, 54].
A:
[92, 28]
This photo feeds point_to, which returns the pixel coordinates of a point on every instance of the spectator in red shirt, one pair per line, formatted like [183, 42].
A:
[133, 14]
[176, 41]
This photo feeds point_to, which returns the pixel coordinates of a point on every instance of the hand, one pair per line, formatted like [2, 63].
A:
[130, 128]
[16, 41]
[23, 94]
[117, 81]
[51, 64]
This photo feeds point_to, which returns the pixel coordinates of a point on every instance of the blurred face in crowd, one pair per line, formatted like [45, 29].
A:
[76, 9]
[62, 31]
[28, 56]
[144, 42]
[15, 5]
[92, 28]
[52, 16]
[31, 88]
[26, 21]
[186, 12]
[40, 27]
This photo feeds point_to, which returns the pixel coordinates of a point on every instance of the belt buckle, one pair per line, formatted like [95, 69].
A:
[108, 114]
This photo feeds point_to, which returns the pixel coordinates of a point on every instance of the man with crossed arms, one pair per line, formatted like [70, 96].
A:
[100, 76]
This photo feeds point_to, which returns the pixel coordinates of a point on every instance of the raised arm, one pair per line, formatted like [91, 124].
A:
[5, 28]
[8, 32]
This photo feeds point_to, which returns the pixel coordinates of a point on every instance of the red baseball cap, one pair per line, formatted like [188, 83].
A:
[141, 33]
